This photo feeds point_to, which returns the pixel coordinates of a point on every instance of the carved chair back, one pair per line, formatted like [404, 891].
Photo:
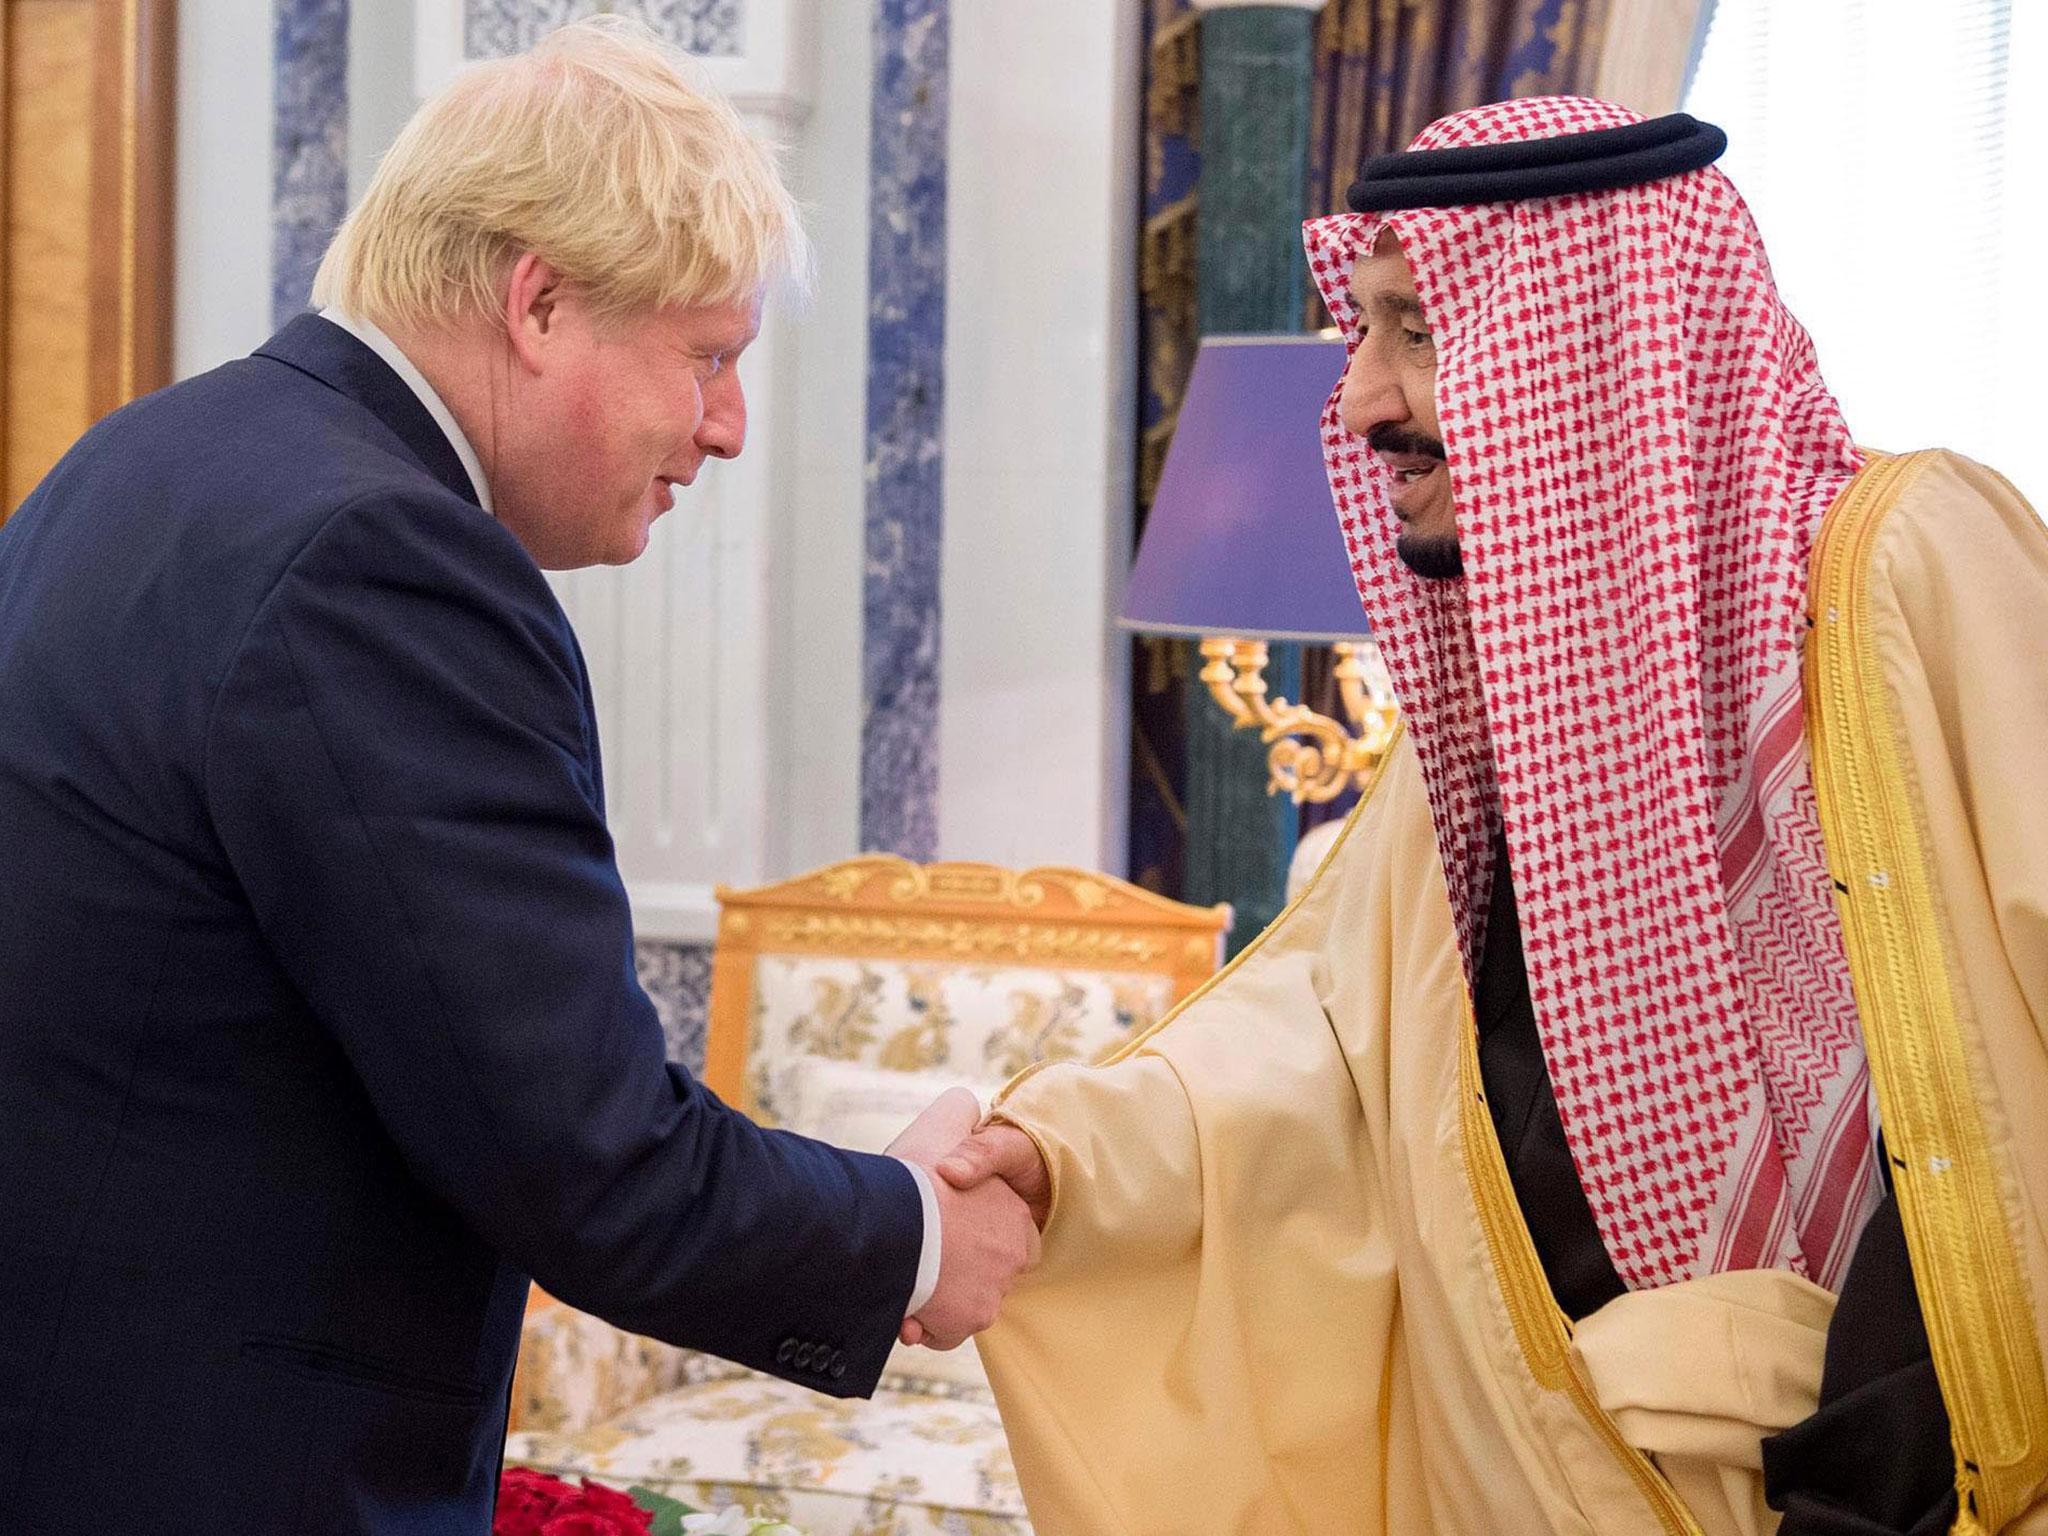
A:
[972, 971]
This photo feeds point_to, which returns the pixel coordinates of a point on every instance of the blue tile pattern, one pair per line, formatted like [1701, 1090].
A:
[678, 978]
[309, 139]
[899, 771]
[492, 28]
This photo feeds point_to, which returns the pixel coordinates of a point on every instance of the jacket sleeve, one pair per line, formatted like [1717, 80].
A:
[402, 772]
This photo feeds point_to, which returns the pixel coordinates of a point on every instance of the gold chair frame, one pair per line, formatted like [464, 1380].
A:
[882, 907]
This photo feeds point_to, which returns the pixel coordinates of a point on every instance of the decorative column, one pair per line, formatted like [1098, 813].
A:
[309, 143]
[899, 736]
[1257, 64]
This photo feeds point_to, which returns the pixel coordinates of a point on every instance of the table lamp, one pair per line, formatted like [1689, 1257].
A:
[1242, 547]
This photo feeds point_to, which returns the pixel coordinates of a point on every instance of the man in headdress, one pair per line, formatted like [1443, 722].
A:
[1642, 1123]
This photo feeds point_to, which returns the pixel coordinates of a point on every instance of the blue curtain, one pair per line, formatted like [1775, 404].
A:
[1383, 69]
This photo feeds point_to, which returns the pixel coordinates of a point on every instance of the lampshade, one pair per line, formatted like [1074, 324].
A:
[1243, 538]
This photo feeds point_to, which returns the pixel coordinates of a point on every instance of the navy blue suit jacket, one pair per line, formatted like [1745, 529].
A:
[319, 1029]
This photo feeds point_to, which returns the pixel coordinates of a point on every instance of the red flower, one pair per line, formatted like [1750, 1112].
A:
[525, 1501]
[609, 1504]
[584, 1522]
[534, 1504]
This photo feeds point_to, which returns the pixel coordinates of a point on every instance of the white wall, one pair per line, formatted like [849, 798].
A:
[220, 307]
[380, 83]
[1040, 413]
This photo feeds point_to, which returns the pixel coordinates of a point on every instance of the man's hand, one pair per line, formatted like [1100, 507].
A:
[995, 1160]
[987, 1234]
[944, 1124]
[1006, 1153]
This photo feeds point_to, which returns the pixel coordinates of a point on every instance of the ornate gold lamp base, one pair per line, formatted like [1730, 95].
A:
[1312, 757]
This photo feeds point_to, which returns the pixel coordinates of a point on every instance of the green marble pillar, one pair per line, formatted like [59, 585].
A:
[1249, 276]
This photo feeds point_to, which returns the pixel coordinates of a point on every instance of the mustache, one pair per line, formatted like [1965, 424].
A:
[1386, 437]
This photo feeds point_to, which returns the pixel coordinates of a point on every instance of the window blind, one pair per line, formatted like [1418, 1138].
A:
[1895, 154]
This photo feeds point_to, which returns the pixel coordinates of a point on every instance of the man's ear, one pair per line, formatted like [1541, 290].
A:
[533, 313]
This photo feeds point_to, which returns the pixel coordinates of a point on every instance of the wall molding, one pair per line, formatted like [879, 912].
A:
[767, 75]
[673, 912]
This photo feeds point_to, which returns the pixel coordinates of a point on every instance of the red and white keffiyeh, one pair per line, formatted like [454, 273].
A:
[1641, 449]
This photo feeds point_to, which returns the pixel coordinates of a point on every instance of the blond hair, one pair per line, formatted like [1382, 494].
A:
[594, 152]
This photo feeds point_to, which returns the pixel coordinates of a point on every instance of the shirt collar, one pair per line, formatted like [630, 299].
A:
[373, 337]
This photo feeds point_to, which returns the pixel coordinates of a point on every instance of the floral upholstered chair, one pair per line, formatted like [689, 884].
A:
[842, 1003]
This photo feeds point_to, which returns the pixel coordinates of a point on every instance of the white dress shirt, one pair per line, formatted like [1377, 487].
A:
[378, 342]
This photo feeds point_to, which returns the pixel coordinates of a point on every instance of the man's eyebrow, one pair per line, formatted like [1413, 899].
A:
[1398, 303]
[725, 341]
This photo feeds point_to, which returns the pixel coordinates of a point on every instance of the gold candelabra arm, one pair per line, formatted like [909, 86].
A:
[1327, 757]
[1248, 660]
[1311, 756]
[1235, 672]
[1366, 692]
[1221, 678]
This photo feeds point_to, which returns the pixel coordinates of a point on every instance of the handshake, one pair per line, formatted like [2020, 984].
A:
[993, 1193]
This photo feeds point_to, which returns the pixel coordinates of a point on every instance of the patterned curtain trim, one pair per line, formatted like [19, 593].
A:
[1160, 667]
[1650, 51]
[1172, 99]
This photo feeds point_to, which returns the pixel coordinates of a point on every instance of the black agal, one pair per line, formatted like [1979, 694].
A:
[1595, 161]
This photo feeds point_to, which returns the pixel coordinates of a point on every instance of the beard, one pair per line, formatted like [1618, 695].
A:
[1432, 557]
[1435, 557]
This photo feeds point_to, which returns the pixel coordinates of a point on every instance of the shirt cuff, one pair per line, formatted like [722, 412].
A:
[928, 1257]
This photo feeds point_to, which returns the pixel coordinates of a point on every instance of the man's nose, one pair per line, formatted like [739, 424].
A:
[723, 430]
[1371, 395]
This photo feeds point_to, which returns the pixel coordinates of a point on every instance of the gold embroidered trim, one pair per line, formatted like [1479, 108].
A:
[1966, 1267]
[1540, 1325]
[867, 935]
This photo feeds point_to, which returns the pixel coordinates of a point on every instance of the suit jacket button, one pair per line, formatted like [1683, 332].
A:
[837, 1368]
[804, 1356]
[787, 1353]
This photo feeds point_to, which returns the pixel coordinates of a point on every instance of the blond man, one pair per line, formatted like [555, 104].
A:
[319, 1031]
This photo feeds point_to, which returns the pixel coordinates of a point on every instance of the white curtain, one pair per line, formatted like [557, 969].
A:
[1647, 47]
[1895, 153]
